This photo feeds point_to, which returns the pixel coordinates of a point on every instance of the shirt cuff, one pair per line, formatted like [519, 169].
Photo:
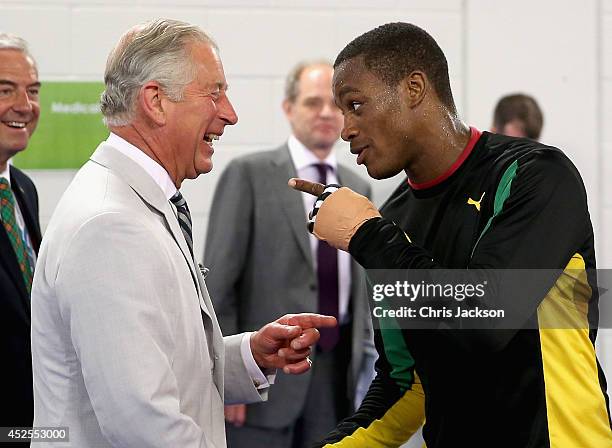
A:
[261, 379]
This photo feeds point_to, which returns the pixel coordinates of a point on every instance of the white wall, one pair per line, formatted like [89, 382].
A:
[603, 155]
[560, 51]
[259, 40]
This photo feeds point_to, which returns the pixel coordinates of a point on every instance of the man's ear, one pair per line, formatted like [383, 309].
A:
[150, 100]
[287, 108]
[413, 88]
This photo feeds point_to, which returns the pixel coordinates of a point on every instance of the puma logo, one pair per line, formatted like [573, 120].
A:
[476, 204]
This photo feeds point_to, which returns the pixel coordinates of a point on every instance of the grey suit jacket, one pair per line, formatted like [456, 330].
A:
[127, 351]
[261, 267]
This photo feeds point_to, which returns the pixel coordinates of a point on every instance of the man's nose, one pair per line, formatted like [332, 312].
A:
[349, 131]
[227, 112]
[22, 103]
[329, 109]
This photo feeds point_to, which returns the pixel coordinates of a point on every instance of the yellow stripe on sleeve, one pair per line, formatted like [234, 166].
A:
[575, 404]
[398, 424]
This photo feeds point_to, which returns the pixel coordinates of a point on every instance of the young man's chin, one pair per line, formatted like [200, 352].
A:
[378, 173]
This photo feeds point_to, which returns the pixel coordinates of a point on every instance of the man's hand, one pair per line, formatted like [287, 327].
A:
[338, 212]
[285, 343]
[306, 186]
[235, 414]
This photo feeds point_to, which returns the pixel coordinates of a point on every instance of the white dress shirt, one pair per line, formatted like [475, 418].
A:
[304, 161]
[163, 180]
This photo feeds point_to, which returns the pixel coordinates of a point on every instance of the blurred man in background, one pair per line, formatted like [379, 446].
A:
[518, 115]
[263, 262]
[20, 230]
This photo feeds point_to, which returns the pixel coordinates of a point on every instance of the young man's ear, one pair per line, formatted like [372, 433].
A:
[413, 88]
[152, 101]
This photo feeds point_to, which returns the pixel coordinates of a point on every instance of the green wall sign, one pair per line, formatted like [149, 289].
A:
[69, 129]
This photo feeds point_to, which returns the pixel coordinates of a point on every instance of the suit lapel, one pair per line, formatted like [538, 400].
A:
[28, 210]
[9, 265]
[216, 346]
[145, 187]
[290, 200]
[344, 177]
[7, 253]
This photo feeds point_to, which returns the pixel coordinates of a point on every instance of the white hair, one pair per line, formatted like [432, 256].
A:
[12, 42]
[154, 51]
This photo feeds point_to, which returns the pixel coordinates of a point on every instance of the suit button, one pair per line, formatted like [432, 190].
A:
[313, 287]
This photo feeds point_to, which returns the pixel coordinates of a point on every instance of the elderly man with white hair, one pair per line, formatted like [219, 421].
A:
[127, 351]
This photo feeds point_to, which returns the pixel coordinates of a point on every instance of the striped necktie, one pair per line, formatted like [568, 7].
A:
[184, 218]
[9, 222]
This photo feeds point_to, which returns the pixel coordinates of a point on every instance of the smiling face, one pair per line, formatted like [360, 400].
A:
[314, 117]
[378, 123]
[19, 108]
[193, 123]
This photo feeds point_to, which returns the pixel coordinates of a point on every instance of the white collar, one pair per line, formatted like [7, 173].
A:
[303, 157]
[154, 169]
[6, 173]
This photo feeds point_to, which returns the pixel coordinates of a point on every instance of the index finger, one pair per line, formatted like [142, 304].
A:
[313, 188]
[310, 320]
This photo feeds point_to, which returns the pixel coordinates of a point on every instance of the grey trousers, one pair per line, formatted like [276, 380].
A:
[317, 419]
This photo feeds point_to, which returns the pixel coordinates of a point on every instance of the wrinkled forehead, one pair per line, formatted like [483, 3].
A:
[208, 64]
[18, 62]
